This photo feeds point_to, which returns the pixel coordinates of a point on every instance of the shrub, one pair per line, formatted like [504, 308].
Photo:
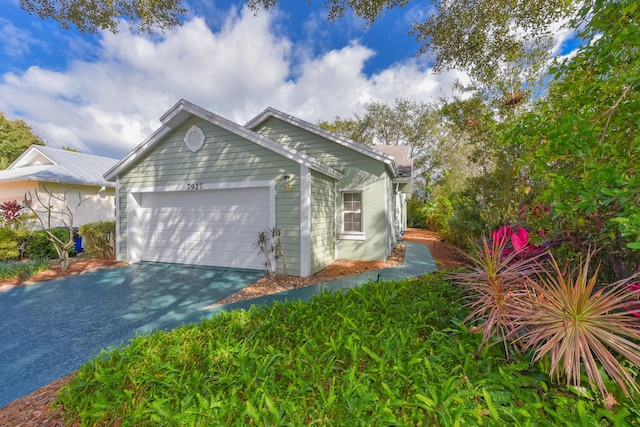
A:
[12, 243]
[99, 238]
[39, 245]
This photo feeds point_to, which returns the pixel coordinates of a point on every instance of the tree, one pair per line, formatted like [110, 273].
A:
[353, 129]
[54, 208]
[583, 141]
[406, 122]
[90, 16]
[15, 137]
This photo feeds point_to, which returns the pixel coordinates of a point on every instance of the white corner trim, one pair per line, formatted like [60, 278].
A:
[134, 243]
[305, 221]
[116, 200]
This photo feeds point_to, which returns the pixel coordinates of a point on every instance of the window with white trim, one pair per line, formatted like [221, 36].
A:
[352, 215]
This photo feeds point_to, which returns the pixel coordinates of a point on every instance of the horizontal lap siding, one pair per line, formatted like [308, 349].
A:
[224, 158]
[360, 172]
[322, 222]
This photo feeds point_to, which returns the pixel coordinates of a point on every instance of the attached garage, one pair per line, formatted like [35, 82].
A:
[210, 227]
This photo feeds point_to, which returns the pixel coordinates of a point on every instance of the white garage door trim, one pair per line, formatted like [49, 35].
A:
[135, 210]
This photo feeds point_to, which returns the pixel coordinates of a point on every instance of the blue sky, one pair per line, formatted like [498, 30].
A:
[103, 93]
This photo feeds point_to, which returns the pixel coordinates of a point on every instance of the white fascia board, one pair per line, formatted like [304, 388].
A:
[356, 146]
[25, 158]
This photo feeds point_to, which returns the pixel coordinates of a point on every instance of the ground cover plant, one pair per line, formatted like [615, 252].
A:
[22, 269]
[391, 353]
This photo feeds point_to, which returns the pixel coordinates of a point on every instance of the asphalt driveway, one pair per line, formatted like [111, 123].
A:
[48, 330]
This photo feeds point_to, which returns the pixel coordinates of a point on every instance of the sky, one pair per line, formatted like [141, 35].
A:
[104, 94]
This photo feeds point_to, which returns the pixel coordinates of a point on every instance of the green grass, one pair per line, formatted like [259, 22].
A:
[387, 354]
[23, 270]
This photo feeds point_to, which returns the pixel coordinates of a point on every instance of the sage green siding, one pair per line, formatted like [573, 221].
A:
[224, 158]
[360, 172]
[322, 221]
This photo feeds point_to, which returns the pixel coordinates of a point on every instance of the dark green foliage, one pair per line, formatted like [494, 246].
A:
[39, 245]
[388, 353]
[582, 144]
[99, 238]
[15, 137]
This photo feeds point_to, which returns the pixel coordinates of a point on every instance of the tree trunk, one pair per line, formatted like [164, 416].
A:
[64, 260]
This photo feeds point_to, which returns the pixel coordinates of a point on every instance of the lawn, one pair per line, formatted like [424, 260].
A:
[392, 353]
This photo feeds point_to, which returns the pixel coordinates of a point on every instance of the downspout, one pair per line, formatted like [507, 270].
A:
[398, 215]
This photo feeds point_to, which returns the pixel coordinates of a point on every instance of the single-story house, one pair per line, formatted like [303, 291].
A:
[78, 175]
[201, 188]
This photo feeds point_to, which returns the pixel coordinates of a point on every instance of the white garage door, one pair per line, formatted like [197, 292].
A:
[209, 227]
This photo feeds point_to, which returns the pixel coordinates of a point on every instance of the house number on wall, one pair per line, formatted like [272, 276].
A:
[197, 186]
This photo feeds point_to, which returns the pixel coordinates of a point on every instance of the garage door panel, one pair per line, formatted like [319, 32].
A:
[211, 227]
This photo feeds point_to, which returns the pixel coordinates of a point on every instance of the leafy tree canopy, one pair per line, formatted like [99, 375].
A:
[582, 143]
[90, 16]
[15, 137]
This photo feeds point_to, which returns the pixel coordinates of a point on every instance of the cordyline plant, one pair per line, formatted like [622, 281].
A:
[579, 324]
[497, 283]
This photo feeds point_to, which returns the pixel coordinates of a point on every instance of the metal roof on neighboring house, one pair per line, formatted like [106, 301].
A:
[48, 164]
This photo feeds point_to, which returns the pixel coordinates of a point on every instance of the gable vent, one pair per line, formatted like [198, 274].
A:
[194, 138]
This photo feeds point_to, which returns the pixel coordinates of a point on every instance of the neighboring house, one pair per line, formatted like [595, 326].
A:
[201, 187]
[58, 171]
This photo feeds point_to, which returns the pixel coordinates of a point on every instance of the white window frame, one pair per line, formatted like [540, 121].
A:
[351, 235]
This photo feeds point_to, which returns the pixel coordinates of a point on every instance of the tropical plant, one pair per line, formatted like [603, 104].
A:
[15, 216]
[497, 284]
[579, 324]
[269, 246]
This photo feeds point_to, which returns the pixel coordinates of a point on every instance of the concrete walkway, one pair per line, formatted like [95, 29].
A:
[417, 261]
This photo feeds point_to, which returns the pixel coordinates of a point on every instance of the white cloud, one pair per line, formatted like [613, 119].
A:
[109, 104]
[13, 41]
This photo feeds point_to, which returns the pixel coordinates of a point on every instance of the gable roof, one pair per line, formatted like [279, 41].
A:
[46, 164]
[184, 110]
[356, 146]
[402, 156]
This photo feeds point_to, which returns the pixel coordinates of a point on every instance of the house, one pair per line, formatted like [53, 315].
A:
[58, 171]
[201, 187]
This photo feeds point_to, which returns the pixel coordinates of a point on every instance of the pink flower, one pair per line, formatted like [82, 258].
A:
[519, 239]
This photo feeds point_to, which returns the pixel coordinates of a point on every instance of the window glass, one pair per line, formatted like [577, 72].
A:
[352, 212]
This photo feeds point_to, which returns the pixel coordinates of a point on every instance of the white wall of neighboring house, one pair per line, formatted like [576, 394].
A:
[97, 205]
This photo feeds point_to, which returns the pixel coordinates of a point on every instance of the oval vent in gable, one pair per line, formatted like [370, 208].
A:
[194, 138]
